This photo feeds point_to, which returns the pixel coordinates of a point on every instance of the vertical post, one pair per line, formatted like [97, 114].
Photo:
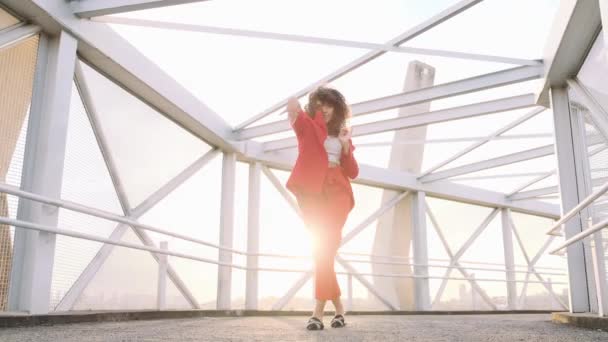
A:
[161, 293]
[224, 277]
[253, 236]
[473, 294]
[349, 301]
[43, 172]
[507, 240]
[599, 270]
[550, 288]
[421, 260]
[569, 193]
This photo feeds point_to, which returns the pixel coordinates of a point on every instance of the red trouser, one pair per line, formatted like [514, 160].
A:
[324, 215]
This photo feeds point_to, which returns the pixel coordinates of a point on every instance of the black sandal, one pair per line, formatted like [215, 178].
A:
[338, 321]
[314, 324]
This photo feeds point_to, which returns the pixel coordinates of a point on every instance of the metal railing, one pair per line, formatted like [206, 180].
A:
[12, 190]
[573, 212]
[597, 247]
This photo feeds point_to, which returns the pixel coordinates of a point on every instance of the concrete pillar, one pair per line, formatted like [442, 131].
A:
[394, 228]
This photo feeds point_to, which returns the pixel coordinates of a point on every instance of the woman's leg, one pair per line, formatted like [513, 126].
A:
[326, 282]
[339, 306]
[319, 309]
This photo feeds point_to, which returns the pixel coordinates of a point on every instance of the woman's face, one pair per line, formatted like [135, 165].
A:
[327, 109]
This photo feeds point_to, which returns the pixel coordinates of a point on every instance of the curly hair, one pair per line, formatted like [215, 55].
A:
[334, 98]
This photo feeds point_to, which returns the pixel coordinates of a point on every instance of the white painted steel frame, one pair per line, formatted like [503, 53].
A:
[576, 25]
[42, 173]
[224, 273]
[110, 68]
[253, 236]
[580, 292]
[441, 91]
[17, 34]
[507, 243]
[531, 266]
[444, 115]
[70, 298]
[93, 8]
[454, 263]
[474, 146]
[428, 24]
[311, 40]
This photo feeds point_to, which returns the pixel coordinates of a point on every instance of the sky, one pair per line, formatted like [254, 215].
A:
[240, 77]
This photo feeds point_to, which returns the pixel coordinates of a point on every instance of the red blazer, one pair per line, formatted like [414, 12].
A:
[308, 173]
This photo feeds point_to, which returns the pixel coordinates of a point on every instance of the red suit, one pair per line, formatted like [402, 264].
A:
[324, 195]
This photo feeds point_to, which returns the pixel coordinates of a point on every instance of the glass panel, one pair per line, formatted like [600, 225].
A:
[148, 149]
[17, 65]
[516, 28]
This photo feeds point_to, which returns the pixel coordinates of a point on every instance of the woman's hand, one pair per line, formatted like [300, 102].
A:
[344, 137]
[293, 107]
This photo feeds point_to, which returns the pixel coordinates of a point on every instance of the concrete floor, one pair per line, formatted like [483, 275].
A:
[507, 327]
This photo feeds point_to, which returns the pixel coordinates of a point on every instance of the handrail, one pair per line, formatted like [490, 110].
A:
[13, 190]
[39, 227]
[584, 203]
[596, 227]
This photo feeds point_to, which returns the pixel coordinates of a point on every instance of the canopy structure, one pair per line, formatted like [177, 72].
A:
[477, 124]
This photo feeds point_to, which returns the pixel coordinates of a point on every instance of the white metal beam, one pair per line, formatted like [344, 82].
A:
[17, 34]
[69, 299]
[420, 246]
[531, 263]
[597, 113]
[34, 252]
[253, 236]
[93, 115]
[451, 140]
[507, 244]
[472, 147]
[455, 263]
[93, 8]
[403, 181]
[578, 266]
[532, 181]
[490, 163]
[224, 273]
[574, 30]
[444, 115]
[114, 57]
[311, 40]
[460, 87]
[428, 24]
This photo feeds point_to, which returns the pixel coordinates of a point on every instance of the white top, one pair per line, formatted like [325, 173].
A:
[333, 148]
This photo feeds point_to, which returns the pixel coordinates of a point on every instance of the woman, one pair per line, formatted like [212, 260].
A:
[320, 182]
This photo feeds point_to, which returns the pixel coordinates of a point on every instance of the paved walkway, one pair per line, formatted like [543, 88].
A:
[509, 327]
